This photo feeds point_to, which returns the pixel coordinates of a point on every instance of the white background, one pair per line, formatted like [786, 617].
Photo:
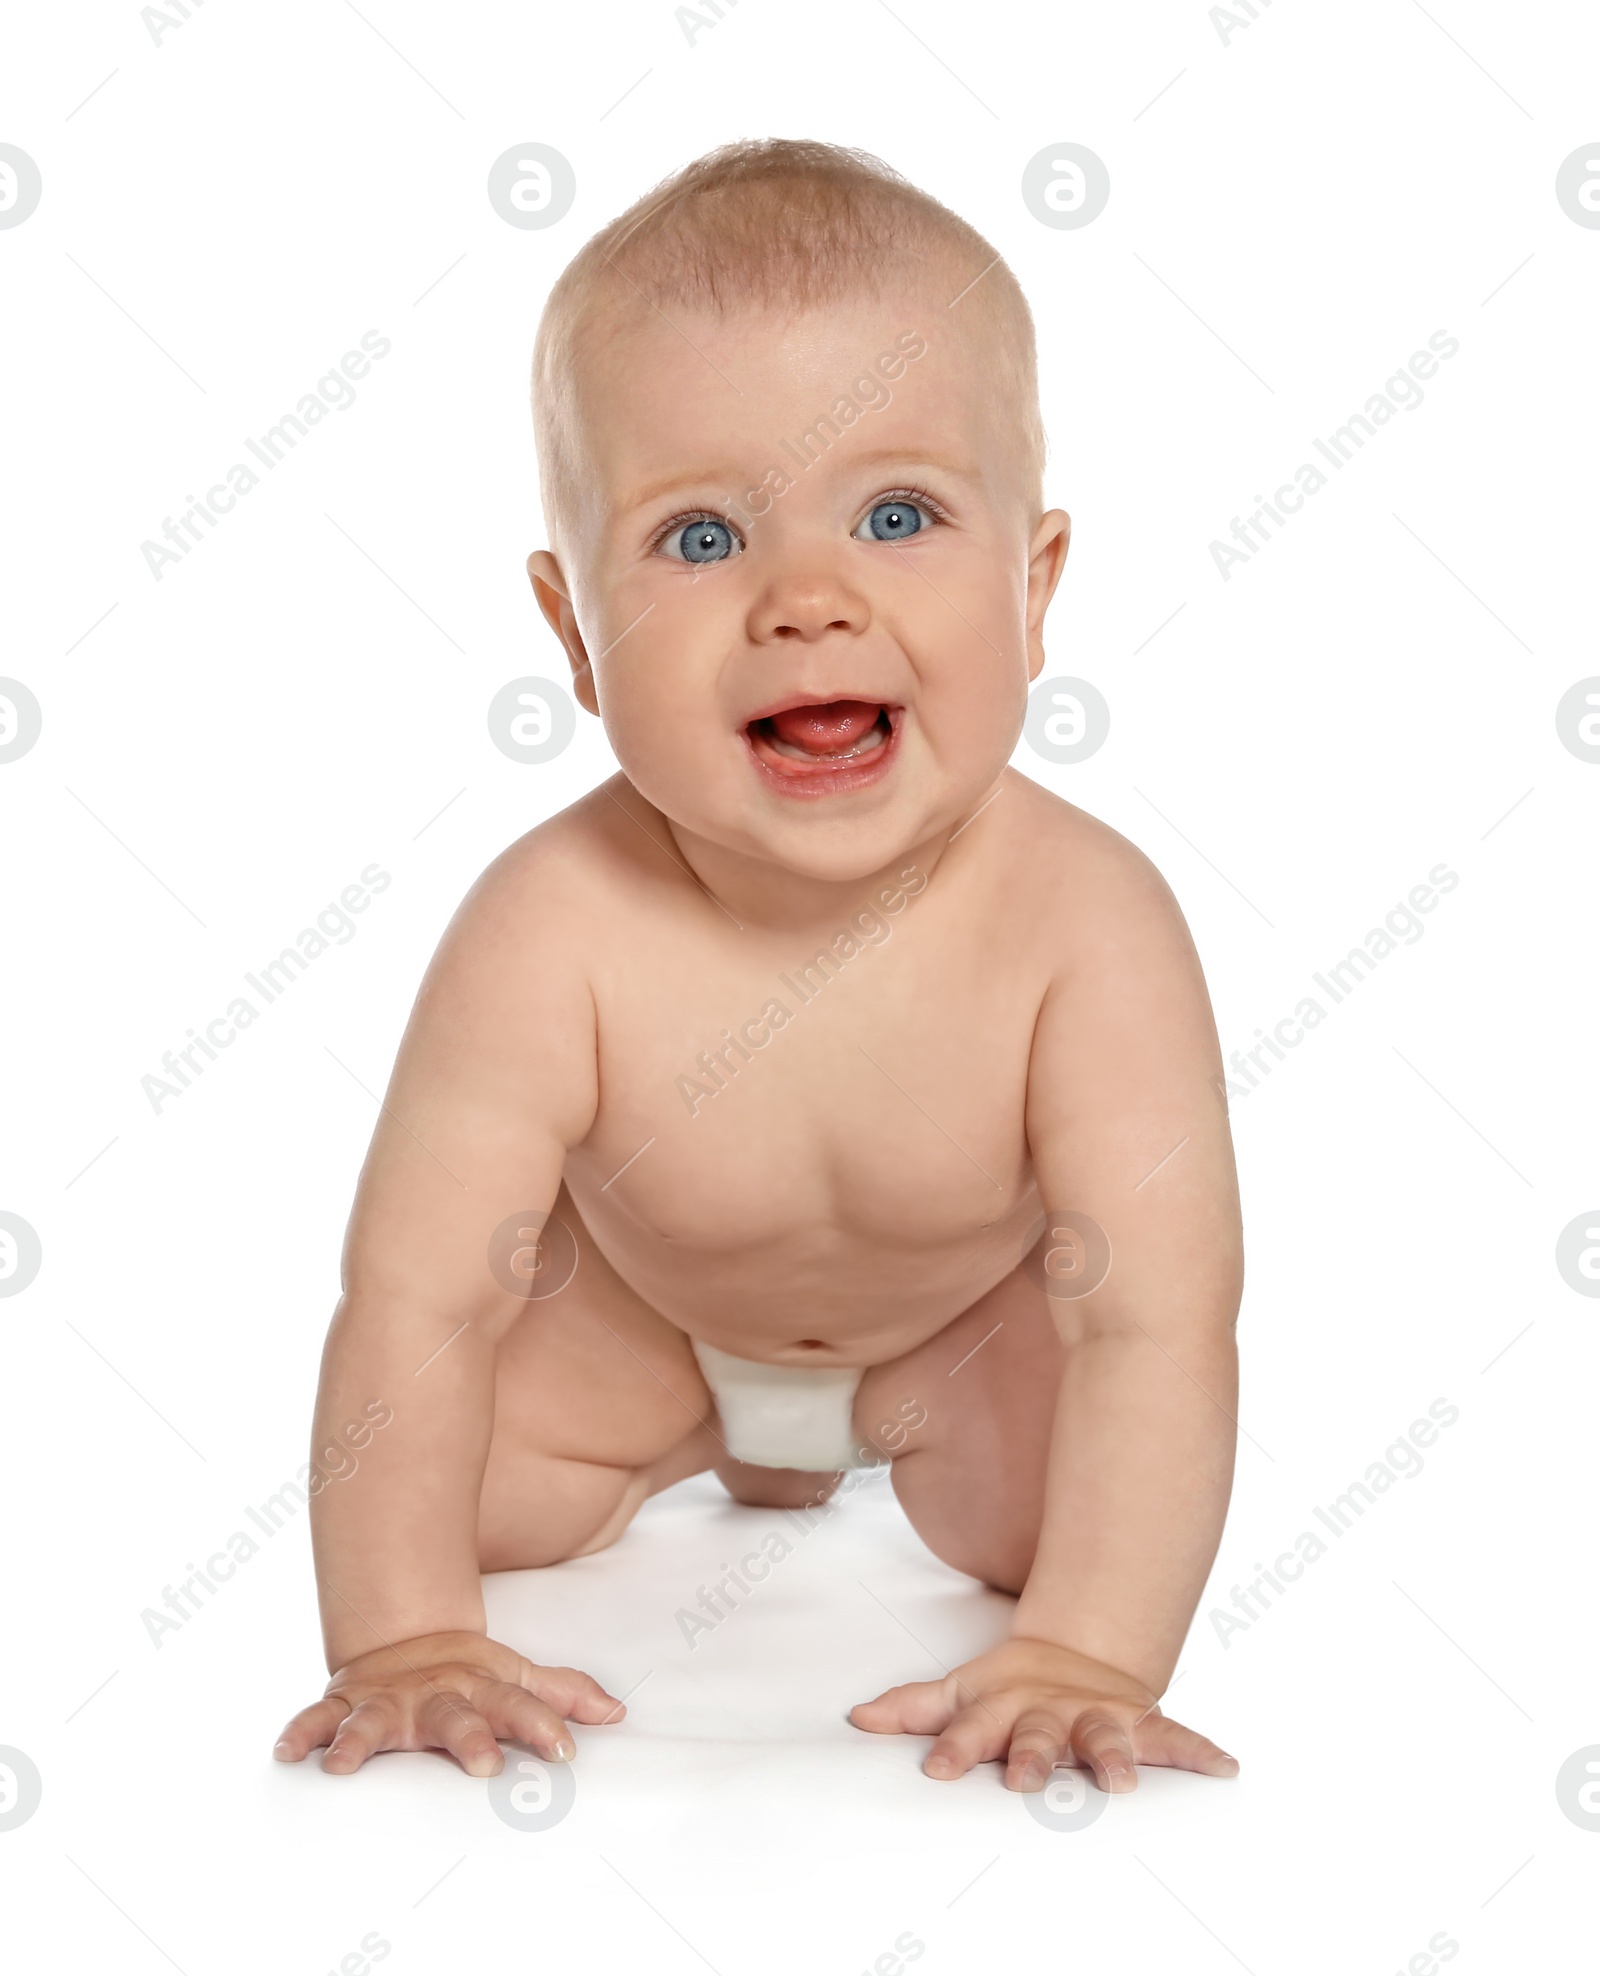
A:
[225, 750]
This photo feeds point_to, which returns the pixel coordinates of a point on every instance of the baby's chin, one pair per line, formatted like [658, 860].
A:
[833, 841]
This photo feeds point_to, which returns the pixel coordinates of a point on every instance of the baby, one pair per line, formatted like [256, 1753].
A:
[818, 1090]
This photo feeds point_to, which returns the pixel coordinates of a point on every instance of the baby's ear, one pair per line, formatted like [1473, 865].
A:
[550, 591]
[1047, 556]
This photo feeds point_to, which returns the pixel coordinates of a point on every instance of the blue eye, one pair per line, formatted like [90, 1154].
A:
[703, 540]
[890, 521]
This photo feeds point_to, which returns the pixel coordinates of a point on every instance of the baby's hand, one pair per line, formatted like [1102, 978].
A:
[1037, 1704]
[445, 1691]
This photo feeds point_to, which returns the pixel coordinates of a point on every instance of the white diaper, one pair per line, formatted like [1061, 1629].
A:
[784, 1416]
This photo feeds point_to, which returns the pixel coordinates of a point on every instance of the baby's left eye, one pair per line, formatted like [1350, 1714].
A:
[892, 521]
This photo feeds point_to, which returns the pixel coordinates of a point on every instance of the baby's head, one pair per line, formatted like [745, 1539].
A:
[791, 456]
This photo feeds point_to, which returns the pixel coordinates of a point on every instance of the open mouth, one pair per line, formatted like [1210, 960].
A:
[815, 747]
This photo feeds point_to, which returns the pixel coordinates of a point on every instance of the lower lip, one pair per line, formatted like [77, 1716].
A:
[791, 777]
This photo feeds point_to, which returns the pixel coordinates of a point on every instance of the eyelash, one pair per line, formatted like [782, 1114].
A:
[682, 521]
[919, 495]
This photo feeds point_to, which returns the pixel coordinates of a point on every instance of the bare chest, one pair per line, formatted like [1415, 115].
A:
[840, 1115]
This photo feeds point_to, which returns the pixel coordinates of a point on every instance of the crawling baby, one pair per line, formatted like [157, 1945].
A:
[818, 1091]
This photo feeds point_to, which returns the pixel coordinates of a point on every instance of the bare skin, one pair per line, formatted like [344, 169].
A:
[1017, 1023]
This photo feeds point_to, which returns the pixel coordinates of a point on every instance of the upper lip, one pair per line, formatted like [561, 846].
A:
[790, 700]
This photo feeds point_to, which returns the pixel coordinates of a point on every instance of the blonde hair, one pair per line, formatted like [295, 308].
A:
[771, 222]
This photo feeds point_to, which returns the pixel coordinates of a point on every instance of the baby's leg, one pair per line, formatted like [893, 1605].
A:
[971, 1477]
[773, 1488]
[598, 1404]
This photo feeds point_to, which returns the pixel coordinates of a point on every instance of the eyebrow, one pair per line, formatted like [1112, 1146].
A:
[713, 477]
[683, 477]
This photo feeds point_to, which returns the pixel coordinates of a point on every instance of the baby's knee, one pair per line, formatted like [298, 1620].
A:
[775, 1488]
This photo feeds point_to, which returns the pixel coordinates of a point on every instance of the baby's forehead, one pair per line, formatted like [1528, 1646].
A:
[745, 386]
[751, 348]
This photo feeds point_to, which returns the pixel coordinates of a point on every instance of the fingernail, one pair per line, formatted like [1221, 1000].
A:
[564, 1750]
[281, 1749]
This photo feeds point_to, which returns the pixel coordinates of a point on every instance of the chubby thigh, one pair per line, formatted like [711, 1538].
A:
[598, 1399]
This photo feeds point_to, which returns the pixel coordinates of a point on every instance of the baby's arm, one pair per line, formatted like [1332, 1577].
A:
[495, 1079]
[1127, 1124]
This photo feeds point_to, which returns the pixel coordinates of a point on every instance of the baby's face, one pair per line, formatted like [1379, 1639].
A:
[806, 580]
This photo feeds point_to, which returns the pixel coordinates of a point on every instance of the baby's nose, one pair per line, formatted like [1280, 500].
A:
[807, 604]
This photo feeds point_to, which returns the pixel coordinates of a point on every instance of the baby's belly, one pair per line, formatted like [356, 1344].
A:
[813, 1282]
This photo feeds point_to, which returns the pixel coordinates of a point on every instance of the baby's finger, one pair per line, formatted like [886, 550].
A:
[576, 1695]
[310, 1729]
[448, 1721]
[368, 1727]
[971, 1736]
[1102, 1742]
[522, 1718]
[1038, 1741]
[1161, 1740]
[916, 1708]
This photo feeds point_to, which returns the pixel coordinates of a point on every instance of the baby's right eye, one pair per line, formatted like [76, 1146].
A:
[700, 539]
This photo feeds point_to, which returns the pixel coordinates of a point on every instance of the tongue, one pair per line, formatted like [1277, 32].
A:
[827, 729]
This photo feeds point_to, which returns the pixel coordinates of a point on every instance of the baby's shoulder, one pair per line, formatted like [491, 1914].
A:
[1061, 848]
[1083, 884]
[548, 891]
